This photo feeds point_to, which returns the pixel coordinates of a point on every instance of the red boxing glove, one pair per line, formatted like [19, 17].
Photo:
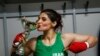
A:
[18, 39]
[77, 47]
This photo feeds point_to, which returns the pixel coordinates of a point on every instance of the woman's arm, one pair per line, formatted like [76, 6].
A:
[27, 51]
[13, 51]
[91, 40]
[77, 43]
[30, 46]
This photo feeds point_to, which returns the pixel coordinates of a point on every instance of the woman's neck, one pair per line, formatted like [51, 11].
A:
[49, 34]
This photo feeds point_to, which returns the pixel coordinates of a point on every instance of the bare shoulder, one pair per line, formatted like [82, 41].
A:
[77, 37]
[67, 39]
[31, 43]
[67, 35]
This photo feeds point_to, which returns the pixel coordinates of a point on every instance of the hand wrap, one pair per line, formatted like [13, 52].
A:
[18, 39]
[77, 47]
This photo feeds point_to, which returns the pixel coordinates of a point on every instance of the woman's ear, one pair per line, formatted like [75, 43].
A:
[54, 24]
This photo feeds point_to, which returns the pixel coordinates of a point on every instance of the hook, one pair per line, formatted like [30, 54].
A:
[86, 7]
[20, 10]
[64, 8]
[42, 6]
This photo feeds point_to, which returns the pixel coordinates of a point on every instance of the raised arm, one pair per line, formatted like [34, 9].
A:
[79, 42]
[91, 40]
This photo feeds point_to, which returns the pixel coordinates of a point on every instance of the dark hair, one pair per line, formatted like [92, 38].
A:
[54, 17]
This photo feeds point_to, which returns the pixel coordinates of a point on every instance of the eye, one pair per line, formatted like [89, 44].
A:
[43, 18]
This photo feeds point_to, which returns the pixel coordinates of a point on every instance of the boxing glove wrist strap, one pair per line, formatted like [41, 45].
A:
[87, 44]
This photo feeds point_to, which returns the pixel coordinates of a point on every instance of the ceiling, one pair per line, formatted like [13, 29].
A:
[55, 4]
[28, 1]
[93, 3]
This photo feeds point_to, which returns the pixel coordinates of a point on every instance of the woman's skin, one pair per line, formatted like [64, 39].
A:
[45, 25]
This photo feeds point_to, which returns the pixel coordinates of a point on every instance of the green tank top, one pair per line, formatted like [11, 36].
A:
[57, 49]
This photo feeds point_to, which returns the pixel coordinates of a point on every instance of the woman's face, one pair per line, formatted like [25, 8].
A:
[44, 23]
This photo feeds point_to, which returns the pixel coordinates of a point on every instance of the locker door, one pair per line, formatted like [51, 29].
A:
[88, 25]
[67, 24]
[2, 51]
[68, 28]
[13, 28]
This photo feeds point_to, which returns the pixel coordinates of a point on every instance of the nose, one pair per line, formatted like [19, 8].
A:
[39, 21]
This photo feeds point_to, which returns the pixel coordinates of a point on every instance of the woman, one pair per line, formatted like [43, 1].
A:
[53, 43]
